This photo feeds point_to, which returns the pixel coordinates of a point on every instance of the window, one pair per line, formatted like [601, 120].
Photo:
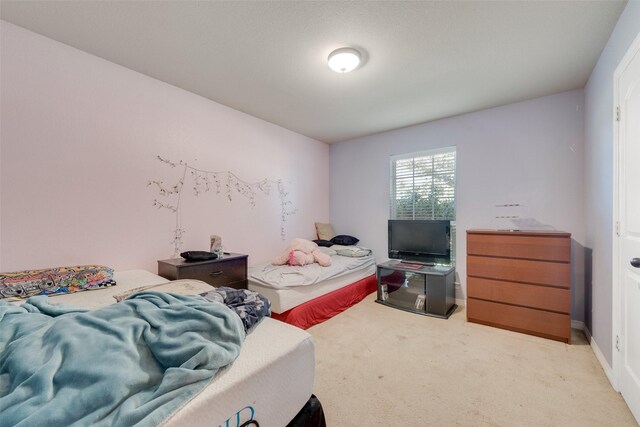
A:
[423, 186]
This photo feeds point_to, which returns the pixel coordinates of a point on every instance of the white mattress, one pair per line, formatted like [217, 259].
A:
[269, 383]
[287, 298]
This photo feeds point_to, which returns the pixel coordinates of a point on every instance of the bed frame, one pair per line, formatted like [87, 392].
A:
[326, 306]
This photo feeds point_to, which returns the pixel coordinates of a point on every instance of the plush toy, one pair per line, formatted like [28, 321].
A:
[302, 252]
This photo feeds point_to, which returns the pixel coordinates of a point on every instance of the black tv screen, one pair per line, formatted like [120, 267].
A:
[419, 239]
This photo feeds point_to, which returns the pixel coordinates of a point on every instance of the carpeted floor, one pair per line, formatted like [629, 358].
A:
[379, 366]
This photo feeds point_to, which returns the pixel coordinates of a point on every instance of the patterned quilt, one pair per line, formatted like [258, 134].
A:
[61, 280]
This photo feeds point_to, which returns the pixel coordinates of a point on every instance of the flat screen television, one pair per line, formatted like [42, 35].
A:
[420, 240]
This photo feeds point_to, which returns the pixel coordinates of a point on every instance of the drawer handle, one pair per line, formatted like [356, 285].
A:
[215, 273]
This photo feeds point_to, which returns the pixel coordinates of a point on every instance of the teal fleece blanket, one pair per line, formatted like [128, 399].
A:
[132, 363]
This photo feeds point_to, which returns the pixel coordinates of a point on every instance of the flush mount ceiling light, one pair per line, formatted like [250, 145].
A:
[344, 59]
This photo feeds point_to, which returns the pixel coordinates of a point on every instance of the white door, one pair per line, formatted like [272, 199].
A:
[629, 222]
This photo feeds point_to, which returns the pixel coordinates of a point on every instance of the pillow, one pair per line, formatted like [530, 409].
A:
[324, 231]
[61, 280]
[351, 251]
[327, 251]
[345, 240]
[325, 243]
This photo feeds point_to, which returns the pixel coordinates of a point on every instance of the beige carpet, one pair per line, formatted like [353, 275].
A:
[379, 366]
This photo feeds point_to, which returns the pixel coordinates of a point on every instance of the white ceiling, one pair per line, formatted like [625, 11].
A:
[424, 60]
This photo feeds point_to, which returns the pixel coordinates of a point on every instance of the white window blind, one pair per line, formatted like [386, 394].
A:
[423, 185]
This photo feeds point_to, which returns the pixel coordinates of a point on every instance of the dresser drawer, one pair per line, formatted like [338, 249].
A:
[515, 246]
[537, 322]
[533, 296]
[519, 270]
[216, 274]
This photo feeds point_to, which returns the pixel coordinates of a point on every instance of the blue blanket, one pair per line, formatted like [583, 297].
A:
[132, 363]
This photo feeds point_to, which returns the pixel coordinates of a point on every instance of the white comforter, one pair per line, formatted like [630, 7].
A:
[285, 276]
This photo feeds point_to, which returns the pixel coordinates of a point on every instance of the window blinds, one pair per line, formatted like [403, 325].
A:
[423, 185]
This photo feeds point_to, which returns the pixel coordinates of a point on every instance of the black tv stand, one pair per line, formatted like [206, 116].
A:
[426, 290]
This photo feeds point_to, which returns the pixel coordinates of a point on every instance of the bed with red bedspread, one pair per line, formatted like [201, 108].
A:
[303, 299]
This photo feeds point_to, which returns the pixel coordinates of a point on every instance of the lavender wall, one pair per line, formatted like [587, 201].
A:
[529, 153]
[80, 137]
[599, 175]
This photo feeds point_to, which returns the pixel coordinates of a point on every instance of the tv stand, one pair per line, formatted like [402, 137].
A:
[428, 290]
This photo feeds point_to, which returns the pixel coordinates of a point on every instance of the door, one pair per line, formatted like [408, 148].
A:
[628, 209]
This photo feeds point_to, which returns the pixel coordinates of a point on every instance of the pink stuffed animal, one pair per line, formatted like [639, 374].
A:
[302, 252]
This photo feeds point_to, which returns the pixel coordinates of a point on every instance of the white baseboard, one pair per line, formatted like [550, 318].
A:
[461, 302]
[608, 370]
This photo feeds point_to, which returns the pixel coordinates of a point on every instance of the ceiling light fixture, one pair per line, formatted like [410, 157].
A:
[344, 59]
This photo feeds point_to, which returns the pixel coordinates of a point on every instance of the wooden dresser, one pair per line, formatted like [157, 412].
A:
[520, 280]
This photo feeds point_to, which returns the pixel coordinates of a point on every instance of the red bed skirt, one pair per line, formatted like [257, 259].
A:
[326, 306]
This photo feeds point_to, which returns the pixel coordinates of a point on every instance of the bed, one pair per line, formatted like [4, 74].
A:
[307, 295]
[267, 383]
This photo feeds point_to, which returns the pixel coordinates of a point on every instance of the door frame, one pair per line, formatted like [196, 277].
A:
[616, 296]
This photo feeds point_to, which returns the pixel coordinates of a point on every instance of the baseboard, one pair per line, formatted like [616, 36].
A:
[578, 324]
[461, 302]
[608, 371]
[587, 333]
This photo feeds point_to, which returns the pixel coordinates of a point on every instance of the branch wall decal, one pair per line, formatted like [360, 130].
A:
[222, 182]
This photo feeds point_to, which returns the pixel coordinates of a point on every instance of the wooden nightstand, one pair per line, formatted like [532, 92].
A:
[230, 270]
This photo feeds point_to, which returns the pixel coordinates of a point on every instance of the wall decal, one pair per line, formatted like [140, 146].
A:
[219, 182]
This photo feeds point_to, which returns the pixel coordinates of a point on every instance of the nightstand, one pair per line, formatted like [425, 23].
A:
[230, 270]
